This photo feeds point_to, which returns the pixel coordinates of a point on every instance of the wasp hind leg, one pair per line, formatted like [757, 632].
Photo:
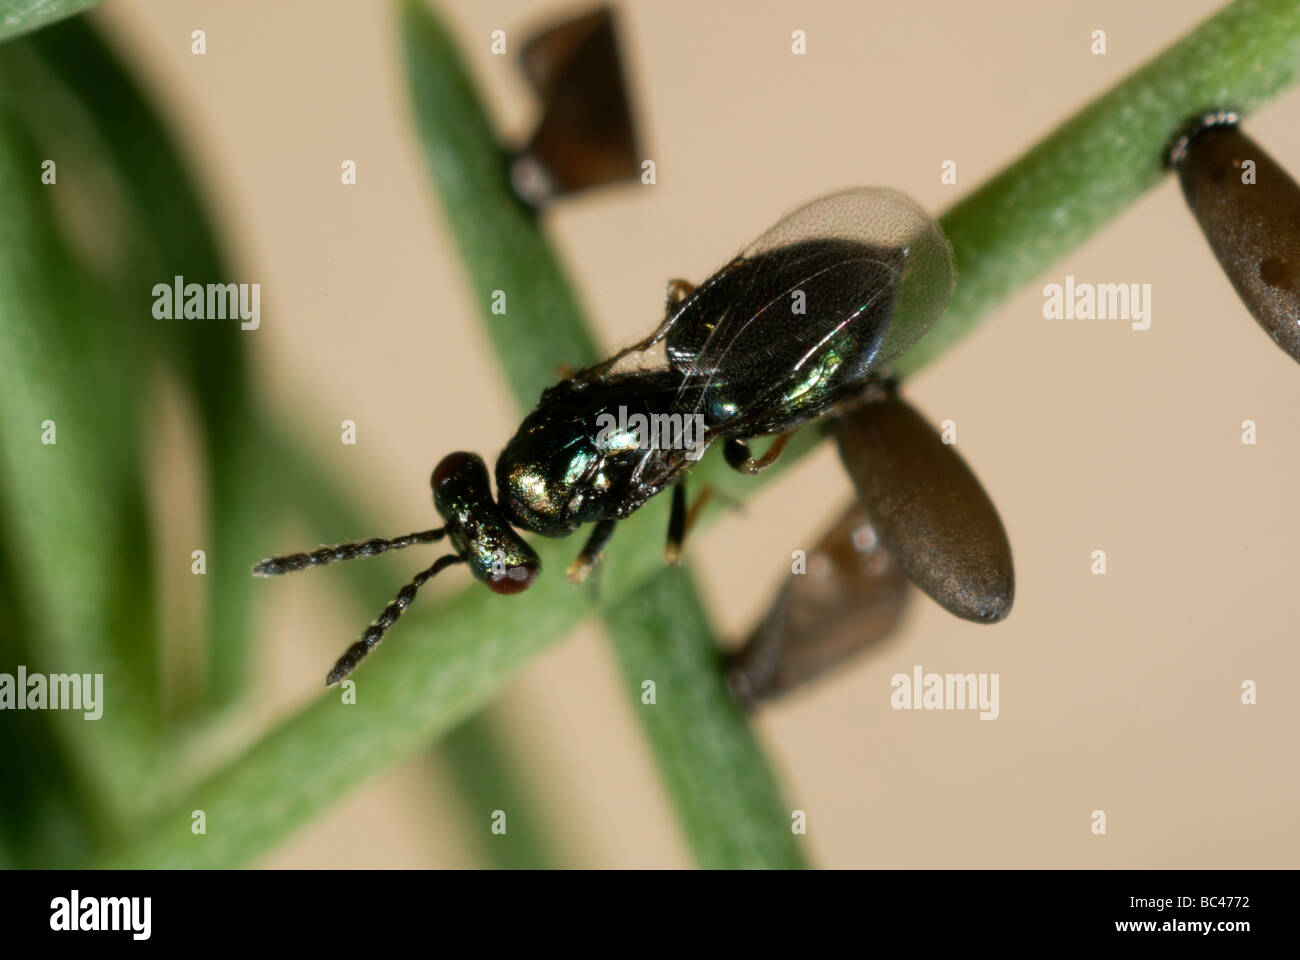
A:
[737, 455]
[676, 292]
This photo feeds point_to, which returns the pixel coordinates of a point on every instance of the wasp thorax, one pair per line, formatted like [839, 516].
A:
[566, 466]
[477, 527]
[537, 478]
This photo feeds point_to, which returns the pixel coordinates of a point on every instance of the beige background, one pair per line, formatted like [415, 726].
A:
[1118, 692]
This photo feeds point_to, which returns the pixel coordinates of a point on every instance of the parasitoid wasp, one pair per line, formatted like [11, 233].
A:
[795, 327]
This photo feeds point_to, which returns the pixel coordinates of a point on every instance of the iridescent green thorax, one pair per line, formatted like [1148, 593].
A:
[476, 527]
[579, 458]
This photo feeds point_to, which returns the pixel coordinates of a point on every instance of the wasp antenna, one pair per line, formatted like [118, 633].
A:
[343, 551]
[375, 632]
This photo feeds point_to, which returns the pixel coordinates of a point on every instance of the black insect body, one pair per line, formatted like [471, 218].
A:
[740, 364]
[796, 325]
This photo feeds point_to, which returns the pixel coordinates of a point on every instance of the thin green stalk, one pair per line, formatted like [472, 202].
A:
[1093, 166]
[459, 654]
[484, 777]
[502, 246]
[547, 329]
[20, 16]
[713, 770]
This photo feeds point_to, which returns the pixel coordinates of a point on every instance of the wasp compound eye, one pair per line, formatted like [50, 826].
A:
[929, 509]
[477, 528]
[585, 138]
[849, 598]
[1249, 210]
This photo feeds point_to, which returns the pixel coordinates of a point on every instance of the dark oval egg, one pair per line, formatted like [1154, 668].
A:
[929, 509]
[586, 137]
[850, 597]
[1253, 227]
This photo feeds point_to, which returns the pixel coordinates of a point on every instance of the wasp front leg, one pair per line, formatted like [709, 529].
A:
[677, 292]
[591, 551]
[596, 371]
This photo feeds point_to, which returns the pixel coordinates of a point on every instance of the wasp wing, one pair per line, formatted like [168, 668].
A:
[804, 314]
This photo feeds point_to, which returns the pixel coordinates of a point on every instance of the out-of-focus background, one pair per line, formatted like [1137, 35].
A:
[1118, 692]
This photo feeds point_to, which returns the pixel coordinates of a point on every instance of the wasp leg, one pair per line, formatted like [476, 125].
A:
[591, 551]
[676, 292]
[702, 501]
[598, 370]
[682, 521]
[737, 455]
[676, 525]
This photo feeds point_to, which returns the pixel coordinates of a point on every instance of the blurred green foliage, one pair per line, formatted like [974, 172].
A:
[20, 16]
[79, 347]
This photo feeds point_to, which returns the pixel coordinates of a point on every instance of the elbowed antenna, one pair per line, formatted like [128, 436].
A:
[290, 562]
[375, 632]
